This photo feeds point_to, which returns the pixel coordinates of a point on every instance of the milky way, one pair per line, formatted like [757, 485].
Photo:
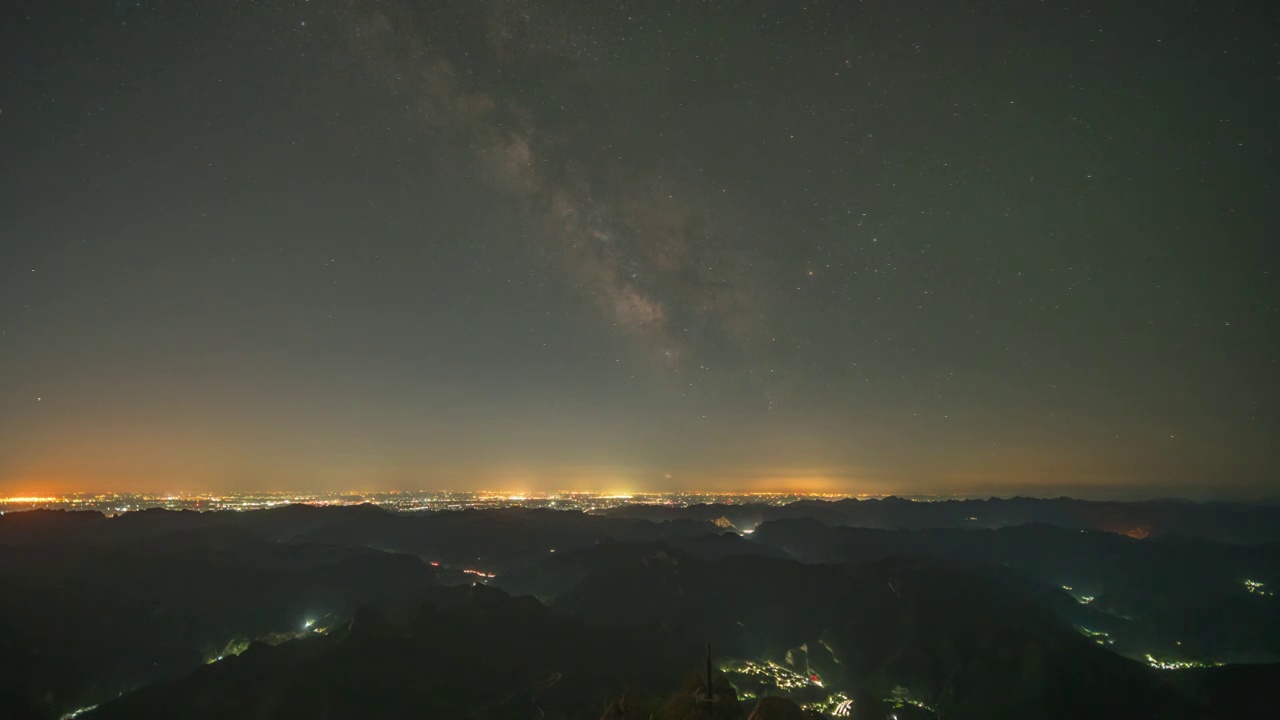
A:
[656, 267]
[822, 245]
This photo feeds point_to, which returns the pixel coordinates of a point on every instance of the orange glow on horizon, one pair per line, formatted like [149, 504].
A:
[600, 480]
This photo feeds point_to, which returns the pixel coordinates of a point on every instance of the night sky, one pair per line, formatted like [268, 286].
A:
[952, 248]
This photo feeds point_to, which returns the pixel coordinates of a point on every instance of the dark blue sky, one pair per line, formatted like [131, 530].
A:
[837, 246]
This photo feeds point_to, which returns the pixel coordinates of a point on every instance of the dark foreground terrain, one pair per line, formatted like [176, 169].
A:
[873, 609]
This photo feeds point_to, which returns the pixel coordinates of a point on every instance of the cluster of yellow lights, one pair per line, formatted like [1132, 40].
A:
[78, 712]
[1178, 664]
[781, 677]
[1257, 588]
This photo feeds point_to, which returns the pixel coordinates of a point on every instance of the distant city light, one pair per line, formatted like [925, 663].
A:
[424, 501]
[780, 677]
[1178, 664]
[1257, 588]
[1080, 598]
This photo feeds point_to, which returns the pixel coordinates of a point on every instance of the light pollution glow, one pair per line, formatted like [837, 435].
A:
[168, 472]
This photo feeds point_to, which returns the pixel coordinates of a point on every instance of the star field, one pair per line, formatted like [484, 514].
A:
[829, 246]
